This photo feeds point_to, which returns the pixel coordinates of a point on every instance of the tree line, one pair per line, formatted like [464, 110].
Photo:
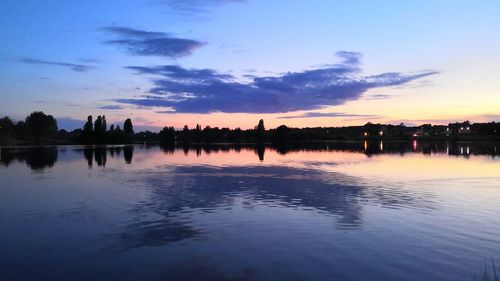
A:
[35, 128]
[40, 128]
[97, 132]
[168, 135]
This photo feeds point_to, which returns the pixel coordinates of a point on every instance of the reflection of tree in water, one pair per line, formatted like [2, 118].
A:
[179, 192]
[260, 150]
[115, 151]
[168, 148]
[88, 153]
[395, 147]
[368, 148]
[37, 159]
[128, 153]
[6, 156]
[98, 154]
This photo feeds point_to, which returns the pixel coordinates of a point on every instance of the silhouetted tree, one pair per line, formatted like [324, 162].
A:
[6, 127]
[185, 135]
[167, 136]
[89, 126]
[281, 133]
[22, 131]
[198, 134]
[104, 126]
[261, 130]
[128, 129]
[98, 130]
[98, 125]
[41, 125]
[88, 130]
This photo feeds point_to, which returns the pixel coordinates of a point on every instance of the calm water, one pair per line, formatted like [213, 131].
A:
[345, 211]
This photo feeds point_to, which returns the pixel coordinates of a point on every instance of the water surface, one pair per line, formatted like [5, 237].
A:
[338, 211]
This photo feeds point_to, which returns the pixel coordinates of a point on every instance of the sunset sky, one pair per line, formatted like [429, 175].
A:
[229, 63]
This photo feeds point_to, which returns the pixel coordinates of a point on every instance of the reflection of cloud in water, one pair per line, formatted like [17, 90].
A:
[180, 192]
[154, 233]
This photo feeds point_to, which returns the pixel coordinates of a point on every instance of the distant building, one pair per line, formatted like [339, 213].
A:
[463, 128]
[374, 130]
[430, 130]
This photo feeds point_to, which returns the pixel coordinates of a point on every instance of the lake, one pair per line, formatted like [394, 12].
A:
[328, 211]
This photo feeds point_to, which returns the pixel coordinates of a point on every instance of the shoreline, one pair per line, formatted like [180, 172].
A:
[267, 143]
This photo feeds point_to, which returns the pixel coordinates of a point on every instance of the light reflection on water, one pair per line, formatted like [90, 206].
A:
[337, 211]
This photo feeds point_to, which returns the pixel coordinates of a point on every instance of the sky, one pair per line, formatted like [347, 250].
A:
[229, 63]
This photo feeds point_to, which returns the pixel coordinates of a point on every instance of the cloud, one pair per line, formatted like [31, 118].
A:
[331, 114]
[179, 73]
[149, 43]
[378, 97]
[353, 58]
[72, 66]
[189, 7]
[207, 90]
[111, 107]
[494, 117]
[89, 60]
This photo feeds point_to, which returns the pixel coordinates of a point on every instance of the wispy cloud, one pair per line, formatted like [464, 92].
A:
[207, 90]
[110, 107]
[492, 117]
[331, 114]
[190, 7]
[378, 97]
[72, 66]
[150, 43]
[89, 60]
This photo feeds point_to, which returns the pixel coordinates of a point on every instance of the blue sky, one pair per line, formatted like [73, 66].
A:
[230, 63]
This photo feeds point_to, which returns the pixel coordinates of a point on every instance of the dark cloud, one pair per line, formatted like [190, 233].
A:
[206, 90]
[148, 43]
[331, 114]
[72, 66]
[190, 7]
